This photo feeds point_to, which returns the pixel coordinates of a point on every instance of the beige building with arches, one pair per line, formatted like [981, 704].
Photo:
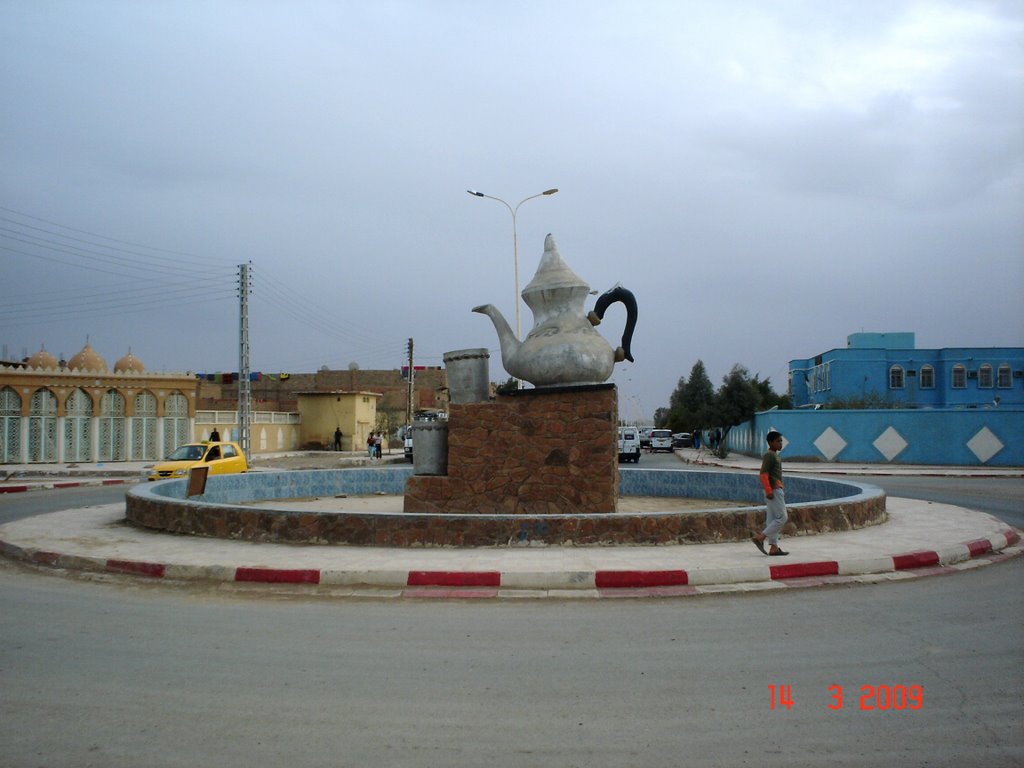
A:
[52, 411]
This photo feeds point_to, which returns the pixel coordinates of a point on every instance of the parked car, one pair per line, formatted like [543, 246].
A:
[407, 442]
[661, 440]
[629, 444]
[645, 436]
[682, 440]
[222, 458]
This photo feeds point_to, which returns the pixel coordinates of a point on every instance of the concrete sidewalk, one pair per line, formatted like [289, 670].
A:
[919, 539]
[705, 458]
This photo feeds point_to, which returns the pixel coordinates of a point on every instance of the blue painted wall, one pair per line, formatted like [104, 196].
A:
[991, 437]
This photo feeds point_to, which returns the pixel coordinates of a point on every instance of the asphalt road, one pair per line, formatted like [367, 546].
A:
[104, 674]
[999, 496]
[116, 672]
[16, 506]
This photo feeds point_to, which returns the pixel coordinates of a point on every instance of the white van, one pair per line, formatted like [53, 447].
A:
[661, 440]
[629, 444]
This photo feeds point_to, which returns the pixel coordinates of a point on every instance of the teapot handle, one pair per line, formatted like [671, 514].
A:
[605, 300]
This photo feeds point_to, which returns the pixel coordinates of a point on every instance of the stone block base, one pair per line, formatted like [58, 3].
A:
[537, 451]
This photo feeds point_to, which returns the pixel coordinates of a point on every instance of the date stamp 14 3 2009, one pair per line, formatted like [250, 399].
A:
[872, 697]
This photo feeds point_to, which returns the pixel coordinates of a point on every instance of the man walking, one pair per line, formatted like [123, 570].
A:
[771, 480]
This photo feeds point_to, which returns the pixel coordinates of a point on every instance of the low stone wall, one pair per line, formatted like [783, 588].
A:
[817, 506]
[537, 451]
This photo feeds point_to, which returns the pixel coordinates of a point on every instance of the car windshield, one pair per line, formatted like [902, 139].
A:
[187, 453]
[661, 433]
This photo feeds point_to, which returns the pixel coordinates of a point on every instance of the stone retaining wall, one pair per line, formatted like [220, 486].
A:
[824, 506]
[538, 451]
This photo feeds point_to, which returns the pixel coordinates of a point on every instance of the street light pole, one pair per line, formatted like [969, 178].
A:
[515, 239]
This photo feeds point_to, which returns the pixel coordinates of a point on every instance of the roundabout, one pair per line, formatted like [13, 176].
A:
[918, 538]
[260, 507]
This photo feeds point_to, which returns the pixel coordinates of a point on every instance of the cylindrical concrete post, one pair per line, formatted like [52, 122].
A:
[430, 447]
[468, 377]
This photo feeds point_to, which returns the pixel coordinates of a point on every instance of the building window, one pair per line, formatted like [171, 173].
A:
[176, 421]
[985, 376]
[1003, 377]
[959, 377]
[10, 426]
[927, 380]
[896, 377]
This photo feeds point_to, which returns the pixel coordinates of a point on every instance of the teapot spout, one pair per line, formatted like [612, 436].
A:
[509, 343]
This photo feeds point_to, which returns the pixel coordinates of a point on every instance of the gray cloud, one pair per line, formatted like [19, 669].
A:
[848, 167]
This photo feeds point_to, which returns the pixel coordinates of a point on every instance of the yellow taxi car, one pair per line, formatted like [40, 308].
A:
[222, 459]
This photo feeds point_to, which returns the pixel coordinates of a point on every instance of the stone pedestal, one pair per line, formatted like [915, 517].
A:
[537, 451]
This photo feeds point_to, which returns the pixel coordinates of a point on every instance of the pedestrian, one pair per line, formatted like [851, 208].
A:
[696, 438]
[215, 436]
[771, 480]
[337, 439]
[378, 443]
[369, 445]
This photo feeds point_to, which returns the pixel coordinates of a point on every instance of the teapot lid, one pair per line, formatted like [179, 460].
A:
[553, 272]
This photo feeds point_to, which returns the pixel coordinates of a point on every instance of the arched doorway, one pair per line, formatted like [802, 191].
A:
[176, 430]
[112, 427]
[144, 427]
[10, 426]
[42, 427]
[78, 427]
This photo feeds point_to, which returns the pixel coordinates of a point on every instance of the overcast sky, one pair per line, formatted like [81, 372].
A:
[766, 177]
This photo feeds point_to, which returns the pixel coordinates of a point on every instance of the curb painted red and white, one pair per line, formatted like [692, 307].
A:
[60, 484]
[598, 583]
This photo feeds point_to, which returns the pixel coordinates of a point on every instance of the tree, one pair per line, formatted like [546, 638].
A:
[510, 386]
[699, 396]
[739, 398]
[769, 397]
[695, 404]
[690, 404]
[661, 417]
[383, 426]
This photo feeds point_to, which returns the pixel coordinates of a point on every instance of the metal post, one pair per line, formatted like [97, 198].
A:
[408, 405]
[244, 391]
[515, 241]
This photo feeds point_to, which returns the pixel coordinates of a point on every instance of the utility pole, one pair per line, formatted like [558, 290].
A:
[412, 375]
[244, 392]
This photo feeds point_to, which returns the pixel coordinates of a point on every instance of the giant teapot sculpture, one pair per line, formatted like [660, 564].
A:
[563, 349]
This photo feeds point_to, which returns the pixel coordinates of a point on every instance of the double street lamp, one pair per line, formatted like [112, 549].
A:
[515, 238]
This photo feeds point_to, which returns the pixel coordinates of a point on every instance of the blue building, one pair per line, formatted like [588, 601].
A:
[887, 370]
[882, 400]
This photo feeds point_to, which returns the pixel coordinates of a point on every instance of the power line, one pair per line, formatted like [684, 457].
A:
[86, 253]
[201, 259]
[175, 285]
